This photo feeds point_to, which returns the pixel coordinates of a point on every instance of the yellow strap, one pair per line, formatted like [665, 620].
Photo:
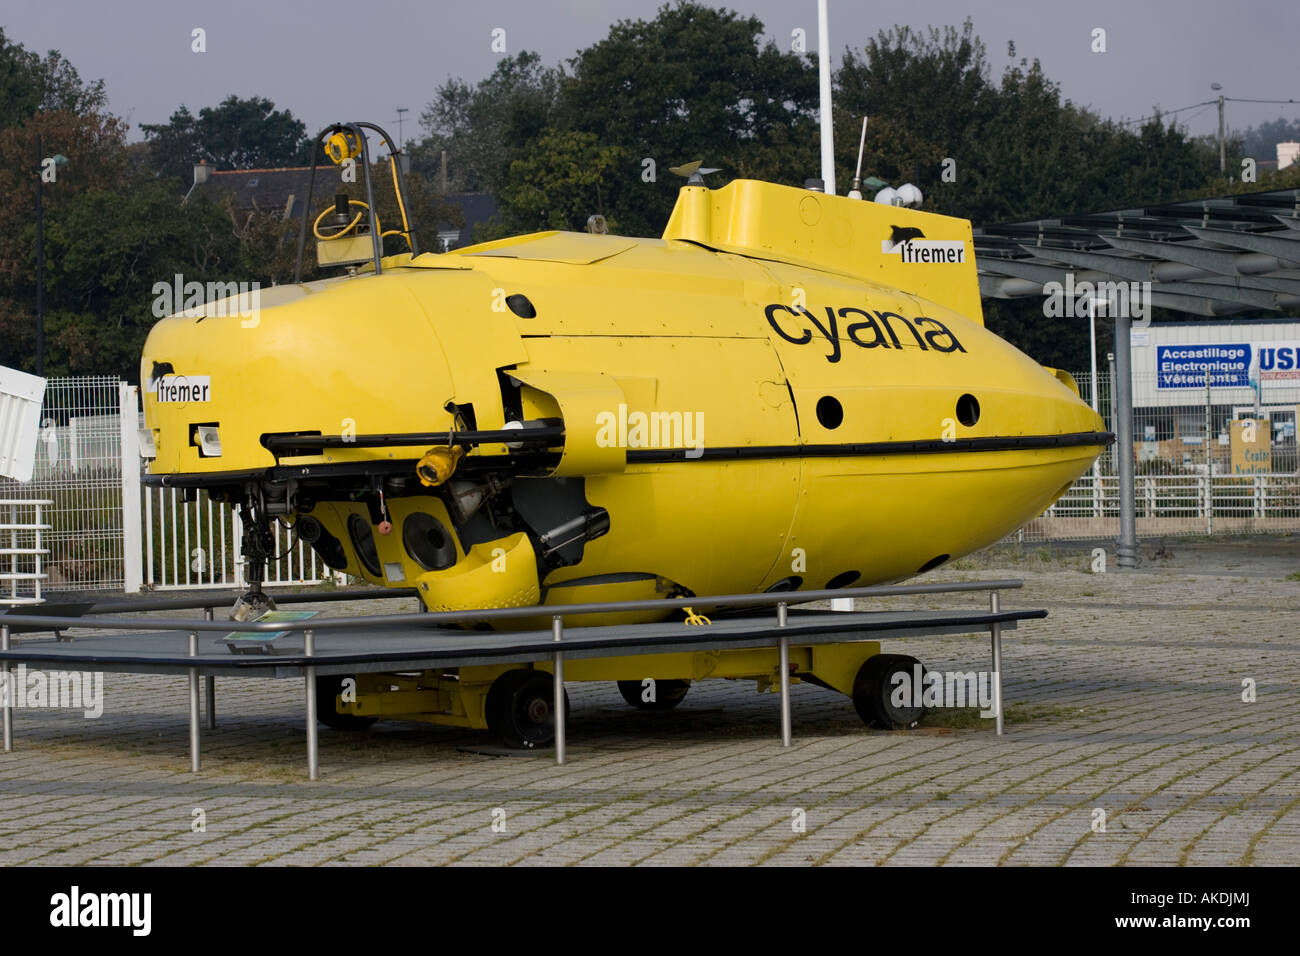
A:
[696, 619]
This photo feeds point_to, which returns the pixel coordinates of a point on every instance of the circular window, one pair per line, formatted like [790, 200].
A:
[791, 583]
[363, 542]
[968, 410]
[427, 542]
[829, 412]
[842, 580]
[932, 563]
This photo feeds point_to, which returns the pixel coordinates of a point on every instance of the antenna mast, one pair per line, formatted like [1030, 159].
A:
[856, 191]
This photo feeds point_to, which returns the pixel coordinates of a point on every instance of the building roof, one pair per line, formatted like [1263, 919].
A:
[476, 208]
[284, 190]
[1209, 257]
[268, 190]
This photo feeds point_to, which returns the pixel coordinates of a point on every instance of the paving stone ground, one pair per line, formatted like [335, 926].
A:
[1126, 701]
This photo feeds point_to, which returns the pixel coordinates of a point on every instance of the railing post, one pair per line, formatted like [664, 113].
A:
[557, 632]
[38, 521]
[13, 550]
[313, 752]
[784, 644]
[132, 547]
[1209, 502]
[995, 632]
[210, 686]
[8, 689]
[194, 705]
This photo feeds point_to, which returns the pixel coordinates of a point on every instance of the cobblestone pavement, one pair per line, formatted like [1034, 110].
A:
[1127, 700]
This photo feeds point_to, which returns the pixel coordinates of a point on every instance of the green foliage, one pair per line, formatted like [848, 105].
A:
[693, 83]
[484, 127]
[29, 83]
[236, 134]
[1021, 151]
[1261, 141]
[558, 185]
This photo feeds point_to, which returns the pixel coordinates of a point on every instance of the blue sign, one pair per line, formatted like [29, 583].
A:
[1188, 366]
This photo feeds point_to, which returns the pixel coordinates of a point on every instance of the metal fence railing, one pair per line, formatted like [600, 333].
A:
[79, 472]
[195, 544]
[23, 553]
[1218, 460]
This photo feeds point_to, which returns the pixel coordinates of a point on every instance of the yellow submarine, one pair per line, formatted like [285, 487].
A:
[788, 390]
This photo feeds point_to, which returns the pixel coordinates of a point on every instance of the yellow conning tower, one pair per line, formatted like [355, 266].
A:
[787, 390]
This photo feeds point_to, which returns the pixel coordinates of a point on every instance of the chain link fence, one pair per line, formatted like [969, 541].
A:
[1216, 460]
[79, 471]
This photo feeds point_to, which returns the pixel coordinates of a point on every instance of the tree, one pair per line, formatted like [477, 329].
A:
[693, 83]
[557, 185]
[1261, 141]
[484, 127]
[236, 134]
[29, 83]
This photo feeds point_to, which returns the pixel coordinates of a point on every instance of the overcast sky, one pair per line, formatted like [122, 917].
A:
[329, 60]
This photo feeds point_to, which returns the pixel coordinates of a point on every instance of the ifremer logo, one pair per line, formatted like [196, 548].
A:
[76, 909]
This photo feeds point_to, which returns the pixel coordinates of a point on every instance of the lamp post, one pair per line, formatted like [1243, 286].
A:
[55, 163]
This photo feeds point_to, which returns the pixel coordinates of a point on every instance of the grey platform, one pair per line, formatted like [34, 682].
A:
[402, 642]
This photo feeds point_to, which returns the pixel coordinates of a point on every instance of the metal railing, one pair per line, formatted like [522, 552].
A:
[1173, 505]
[24, 571]
[196, 544]
[609, 647]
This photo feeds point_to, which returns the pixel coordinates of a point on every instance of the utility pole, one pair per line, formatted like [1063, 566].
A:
[1223, 162]
[401, 143]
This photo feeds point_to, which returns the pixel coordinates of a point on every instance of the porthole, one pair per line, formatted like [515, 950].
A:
[363, 542]
[968, 410]
[427, 542]
[521, 306]
[792, 583]
[830, 413]
[842, 580]
[933, 563]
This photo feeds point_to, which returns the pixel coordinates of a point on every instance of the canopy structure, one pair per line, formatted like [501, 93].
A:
[1207, 257]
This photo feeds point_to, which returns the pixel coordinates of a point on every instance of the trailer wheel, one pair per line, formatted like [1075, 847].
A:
[668, 694]
[328, 688]
[874, 690]
[520, 709]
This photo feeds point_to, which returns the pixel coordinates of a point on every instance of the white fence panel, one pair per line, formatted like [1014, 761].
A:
[196, 544]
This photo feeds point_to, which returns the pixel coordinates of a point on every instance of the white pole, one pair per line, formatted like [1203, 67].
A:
[1092, 337]
[128, 416]
[1096, 465]
[824, 67]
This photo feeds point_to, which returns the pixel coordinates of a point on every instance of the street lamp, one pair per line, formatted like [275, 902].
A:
[57, 161]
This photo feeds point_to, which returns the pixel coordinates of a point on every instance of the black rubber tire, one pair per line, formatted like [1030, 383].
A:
[668, 694]
[520, 709]
[873, 689]
[328, 688]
